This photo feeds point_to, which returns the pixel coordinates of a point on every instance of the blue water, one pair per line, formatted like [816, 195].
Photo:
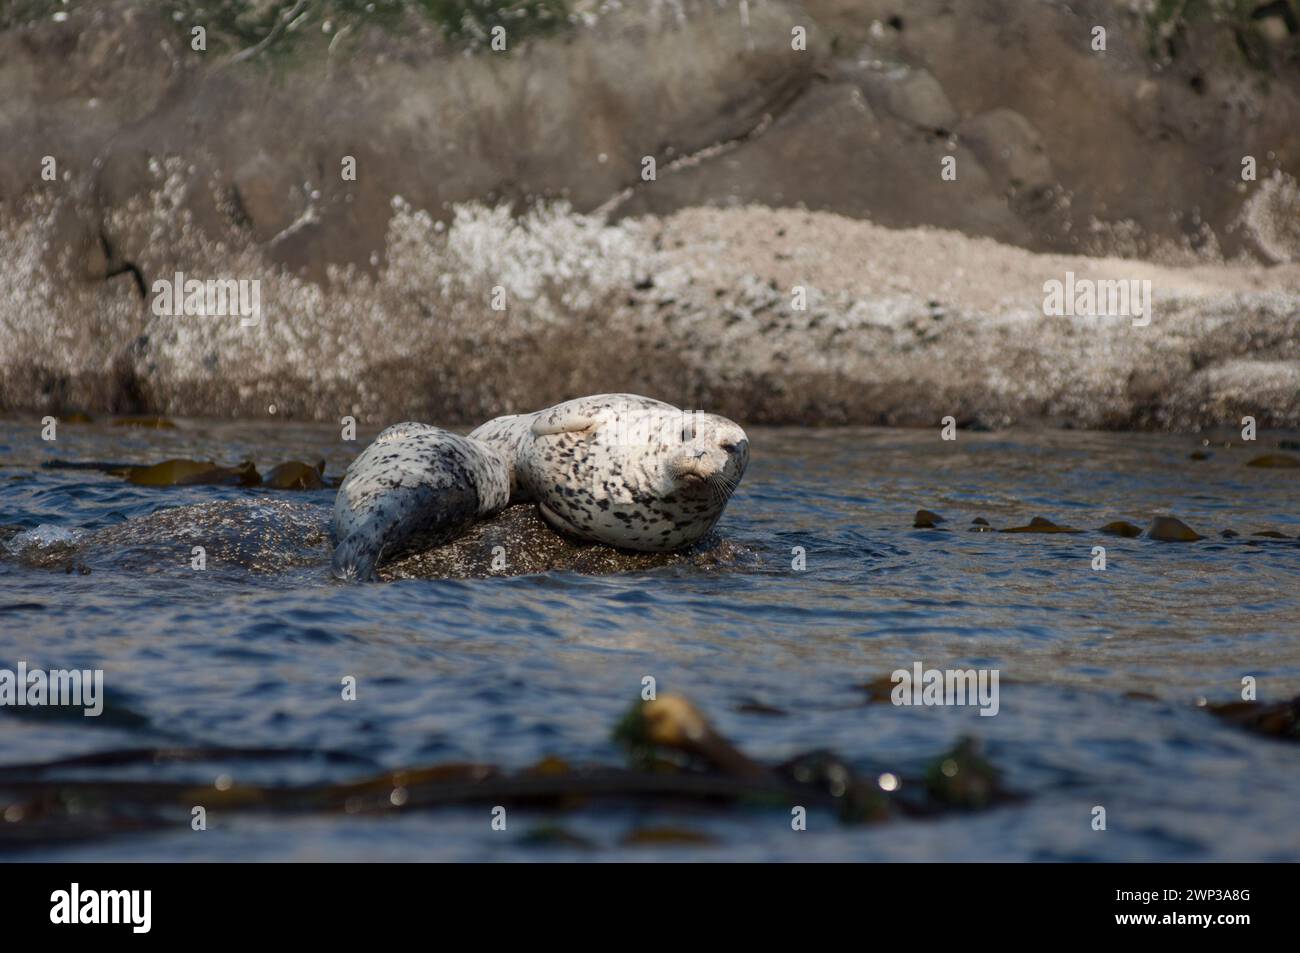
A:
[1100, 670]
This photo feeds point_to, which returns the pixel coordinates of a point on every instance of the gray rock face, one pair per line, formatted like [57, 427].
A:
[171, 161]
[917, 98]
[1010, 149]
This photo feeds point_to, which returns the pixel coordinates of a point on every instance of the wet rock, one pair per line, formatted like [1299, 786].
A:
[980, 525]
[1275, 461]
[1271, 534]
[926, 520]
[1122, 528]
[518, 541]
[258, 535]
[1172, 530]
[1040, 524]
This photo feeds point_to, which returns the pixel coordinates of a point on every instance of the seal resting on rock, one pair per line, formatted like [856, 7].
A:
[415, 487]
[623, 470]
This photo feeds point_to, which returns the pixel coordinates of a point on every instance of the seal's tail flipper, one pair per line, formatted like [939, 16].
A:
[355, 559]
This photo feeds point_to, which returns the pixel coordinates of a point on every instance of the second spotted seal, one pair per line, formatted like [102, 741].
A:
[623, 470]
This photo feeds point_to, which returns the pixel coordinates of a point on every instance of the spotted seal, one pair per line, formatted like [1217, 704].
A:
[623, 470]
[416, 486]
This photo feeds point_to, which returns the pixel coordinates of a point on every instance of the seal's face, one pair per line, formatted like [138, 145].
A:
[628, 471]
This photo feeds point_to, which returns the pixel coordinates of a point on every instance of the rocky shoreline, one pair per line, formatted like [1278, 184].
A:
[797, 259]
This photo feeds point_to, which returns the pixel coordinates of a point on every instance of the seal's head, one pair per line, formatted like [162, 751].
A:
[697, 454]
[624, 470]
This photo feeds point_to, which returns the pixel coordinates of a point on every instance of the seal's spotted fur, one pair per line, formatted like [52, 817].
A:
[416, 486]
[623, 470]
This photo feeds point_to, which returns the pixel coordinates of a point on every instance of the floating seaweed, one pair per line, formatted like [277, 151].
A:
[1275, 719]
[296, 475]
[676, 758]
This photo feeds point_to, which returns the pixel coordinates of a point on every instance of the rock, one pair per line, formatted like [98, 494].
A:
[926, 520]
[1010, 149]
[530, 546]
[255, 535]
[1272, 218]
[1172, 530]
[883, 169]
[1122, 528]
[1260, 386]
[915, 97]
[1275, 461]
[1040, 524]
[269, 196]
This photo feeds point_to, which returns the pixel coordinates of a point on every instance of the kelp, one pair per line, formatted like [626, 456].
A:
[291, 475]
[1274, 719]
[675, 758]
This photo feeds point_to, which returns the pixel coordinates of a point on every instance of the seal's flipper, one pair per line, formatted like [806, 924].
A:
[562, 422]
[355, 559]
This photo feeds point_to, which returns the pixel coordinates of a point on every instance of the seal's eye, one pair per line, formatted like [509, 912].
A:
[728, 448]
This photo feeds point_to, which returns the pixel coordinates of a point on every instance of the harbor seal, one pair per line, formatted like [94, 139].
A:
[415, 487]
[623, 470]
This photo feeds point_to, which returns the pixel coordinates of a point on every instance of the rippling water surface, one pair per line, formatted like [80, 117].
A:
[1100, 671]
